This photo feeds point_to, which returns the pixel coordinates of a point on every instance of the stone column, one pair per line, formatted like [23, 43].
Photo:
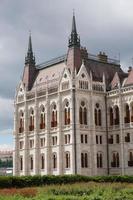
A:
[16, 143]
[121, 114]
[26, 152]
[93, 147]
[60, 157]
[36, 136]
[47, 136]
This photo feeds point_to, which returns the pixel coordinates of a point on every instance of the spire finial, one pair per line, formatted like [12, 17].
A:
[30, 59]
[73, 12]
[74, 39]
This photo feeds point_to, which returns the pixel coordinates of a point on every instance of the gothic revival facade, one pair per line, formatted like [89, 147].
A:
[74, 115]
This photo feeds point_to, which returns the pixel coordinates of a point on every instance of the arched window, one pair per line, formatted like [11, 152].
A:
[83, 113]
[54, 160]
[42, 161]
[31, 122]
[115, 159]
[130, 161]
[99, 160]
[54, 116]
[127, 114]
[111, 116]
[21, 122]
[31, 162]
[67, 114]
[67, 160]
[131, 107]
[84, 160]
[42, 118]
[98, 115]
[131, 156]
[21, 163]
[116, 115]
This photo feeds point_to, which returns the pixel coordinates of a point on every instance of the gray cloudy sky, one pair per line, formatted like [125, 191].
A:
[105, 25]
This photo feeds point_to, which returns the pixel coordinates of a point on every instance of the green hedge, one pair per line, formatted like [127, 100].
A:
[29, 181]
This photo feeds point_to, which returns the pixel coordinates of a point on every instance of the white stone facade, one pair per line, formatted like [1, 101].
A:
[35, 143]
[73, 119]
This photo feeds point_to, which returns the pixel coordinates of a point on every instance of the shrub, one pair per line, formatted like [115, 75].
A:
[29, 181]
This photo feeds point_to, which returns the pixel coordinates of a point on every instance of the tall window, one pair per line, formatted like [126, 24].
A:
[54, 116]
[111, 116]
[84, 160]
[42, 142]
[54, 140]
[131, 156]
[31, 162]
[21, 163]
[98, 115]
[21, 122]
[83, 113]
[127, 114]
[67, 114]
[115, 159]
[67, 160]
[116, 113]
[42, 118]
[67, 139]
[31, 122]
[130, 161]
[54, 160]
[99, 160]
[42, 161]
[132, 112]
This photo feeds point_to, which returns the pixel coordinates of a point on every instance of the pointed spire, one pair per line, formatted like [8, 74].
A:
[74, 30]
[30, 59]
[74, 39]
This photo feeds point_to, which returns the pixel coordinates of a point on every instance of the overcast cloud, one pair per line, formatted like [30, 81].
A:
[103, 25]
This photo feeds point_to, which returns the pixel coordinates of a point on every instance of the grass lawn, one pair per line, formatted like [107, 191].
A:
[77, 191]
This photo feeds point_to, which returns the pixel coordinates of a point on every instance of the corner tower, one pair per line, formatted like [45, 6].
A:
[30, 71]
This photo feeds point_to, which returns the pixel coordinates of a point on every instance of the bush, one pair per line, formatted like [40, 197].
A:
[29, 181]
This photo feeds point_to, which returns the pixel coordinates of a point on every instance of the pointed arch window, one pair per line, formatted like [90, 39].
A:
[54, 160]
[67, 114]
[132, 112]
[42, 161]
[116, 115]
[21, 122]
[21, 163]
[98, 115]
[42, 118]
[111, 116]
[115, 159]
[99, 160]
[31, 123]
[130, 161]
[127, 114]
[84, 160]
[54, 116]
[83, 113]
[67, 160]
[31, 162]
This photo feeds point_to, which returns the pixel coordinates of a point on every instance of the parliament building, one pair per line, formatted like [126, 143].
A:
[73, 115]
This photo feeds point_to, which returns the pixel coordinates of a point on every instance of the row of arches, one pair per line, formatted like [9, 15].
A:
[83, 116]
[42, 117]
[114, 114]
[43, 161]
[84, 160]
